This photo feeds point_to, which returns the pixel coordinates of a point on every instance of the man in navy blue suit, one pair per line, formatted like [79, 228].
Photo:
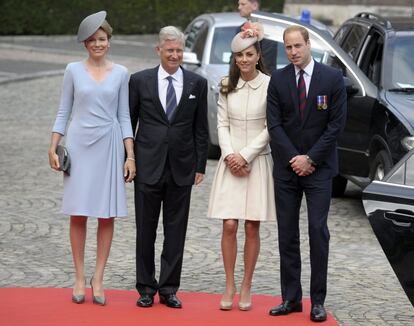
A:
[306, 111]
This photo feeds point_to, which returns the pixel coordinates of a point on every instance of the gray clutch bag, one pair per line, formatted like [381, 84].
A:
[64, 158]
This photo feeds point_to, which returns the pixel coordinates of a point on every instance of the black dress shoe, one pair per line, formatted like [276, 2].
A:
[145, 301]
[286, 308]
[170, 300]
[318, 313]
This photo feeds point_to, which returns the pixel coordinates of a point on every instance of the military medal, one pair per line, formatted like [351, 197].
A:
[322, 102]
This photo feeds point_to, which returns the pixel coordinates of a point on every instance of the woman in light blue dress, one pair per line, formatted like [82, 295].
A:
[95, 97]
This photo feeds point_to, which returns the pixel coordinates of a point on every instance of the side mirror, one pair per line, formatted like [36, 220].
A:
[351, 90]
[190, 58]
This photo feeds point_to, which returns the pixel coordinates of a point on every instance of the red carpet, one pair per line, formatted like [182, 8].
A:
[50, 306]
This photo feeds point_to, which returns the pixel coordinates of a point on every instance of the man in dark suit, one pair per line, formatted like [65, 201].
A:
[268, 47]
[169, 105]
[306, 110]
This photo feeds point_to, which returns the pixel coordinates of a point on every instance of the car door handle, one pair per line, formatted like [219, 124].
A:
[399, 219]
[214, 88]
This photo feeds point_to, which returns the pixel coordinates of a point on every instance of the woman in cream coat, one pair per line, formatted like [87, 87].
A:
[242, 188]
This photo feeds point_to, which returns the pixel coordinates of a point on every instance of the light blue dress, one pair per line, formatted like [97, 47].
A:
[99, 122]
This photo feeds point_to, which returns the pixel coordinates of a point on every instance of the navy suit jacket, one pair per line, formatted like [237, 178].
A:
[184, 139]
[315, 134]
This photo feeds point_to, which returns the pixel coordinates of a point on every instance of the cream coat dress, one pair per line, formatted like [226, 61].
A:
[241, 123]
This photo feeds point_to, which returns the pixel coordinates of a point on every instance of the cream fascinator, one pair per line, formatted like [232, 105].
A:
[250, 34]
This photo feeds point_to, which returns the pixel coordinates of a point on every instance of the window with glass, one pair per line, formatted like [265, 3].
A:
[220, 47]
[353, 40]
[196, 38]
[400, 67]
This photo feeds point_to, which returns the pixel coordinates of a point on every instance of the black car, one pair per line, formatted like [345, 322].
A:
[389, 204]
[380, 122]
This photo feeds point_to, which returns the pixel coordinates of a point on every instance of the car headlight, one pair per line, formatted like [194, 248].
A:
[408, 142]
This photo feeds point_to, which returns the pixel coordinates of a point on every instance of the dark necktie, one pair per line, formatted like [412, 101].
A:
[171, 102]
[302, 93]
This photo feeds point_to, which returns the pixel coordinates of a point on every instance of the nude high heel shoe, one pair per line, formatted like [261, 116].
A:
[247, 305]
[227, 305]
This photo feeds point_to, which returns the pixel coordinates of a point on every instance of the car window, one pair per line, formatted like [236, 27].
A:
[342, 33]
[409, 177]
[370, 60]
[403, 172]
[400, 63]
[398, 177]
[220, 48]
[196, 37]
[353, 40]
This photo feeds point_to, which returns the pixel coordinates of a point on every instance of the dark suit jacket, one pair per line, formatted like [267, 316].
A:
[317, 133]
[184, 140]
[269, 54]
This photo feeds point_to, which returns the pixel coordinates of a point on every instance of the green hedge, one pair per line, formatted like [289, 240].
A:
[47, 17]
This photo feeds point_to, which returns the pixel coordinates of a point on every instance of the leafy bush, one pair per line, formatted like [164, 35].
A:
[47, 17]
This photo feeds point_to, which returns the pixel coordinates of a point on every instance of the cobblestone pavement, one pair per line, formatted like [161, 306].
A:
[34, 244]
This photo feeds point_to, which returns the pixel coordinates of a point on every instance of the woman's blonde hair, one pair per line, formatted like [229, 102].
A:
[106, 28]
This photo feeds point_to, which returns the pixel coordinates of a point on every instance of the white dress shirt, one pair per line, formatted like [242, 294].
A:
[177, 81]
[306, 76]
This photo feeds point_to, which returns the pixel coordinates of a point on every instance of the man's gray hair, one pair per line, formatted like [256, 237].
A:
[170, 33]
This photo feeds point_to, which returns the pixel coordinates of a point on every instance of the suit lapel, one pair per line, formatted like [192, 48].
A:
[153, 90]
[313, 88]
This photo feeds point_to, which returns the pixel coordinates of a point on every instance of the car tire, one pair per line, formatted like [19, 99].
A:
[338, 186]
[380, 166]
[214, 151]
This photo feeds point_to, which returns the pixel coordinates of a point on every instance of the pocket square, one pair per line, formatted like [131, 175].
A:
[191, 97]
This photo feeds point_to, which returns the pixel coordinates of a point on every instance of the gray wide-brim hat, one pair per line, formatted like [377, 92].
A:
[90, 25]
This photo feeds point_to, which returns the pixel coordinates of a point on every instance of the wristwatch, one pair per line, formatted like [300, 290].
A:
[310, 160]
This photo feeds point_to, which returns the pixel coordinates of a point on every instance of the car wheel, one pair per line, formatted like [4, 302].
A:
[380, 166]
[214, 151]
[338, 186]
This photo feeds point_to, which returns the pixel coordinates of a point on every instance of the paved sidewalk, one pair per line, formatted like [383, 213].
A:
[34, 244]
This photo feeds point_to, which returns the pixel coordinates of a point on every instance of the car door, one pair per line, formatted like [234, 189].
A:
[355, 141]
[389, 204]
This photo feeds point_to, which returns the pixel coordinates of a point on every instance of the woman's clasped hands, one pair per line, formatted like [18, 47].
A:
[237, 165]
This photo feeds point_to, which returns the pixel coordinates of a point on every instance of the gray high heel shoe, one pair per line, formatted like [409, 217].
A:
[78, 298]
[101, 301]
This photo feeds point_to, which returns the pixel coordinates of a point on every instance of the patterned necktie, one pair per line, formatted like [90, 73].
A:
[302, 93]
[171, 102]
